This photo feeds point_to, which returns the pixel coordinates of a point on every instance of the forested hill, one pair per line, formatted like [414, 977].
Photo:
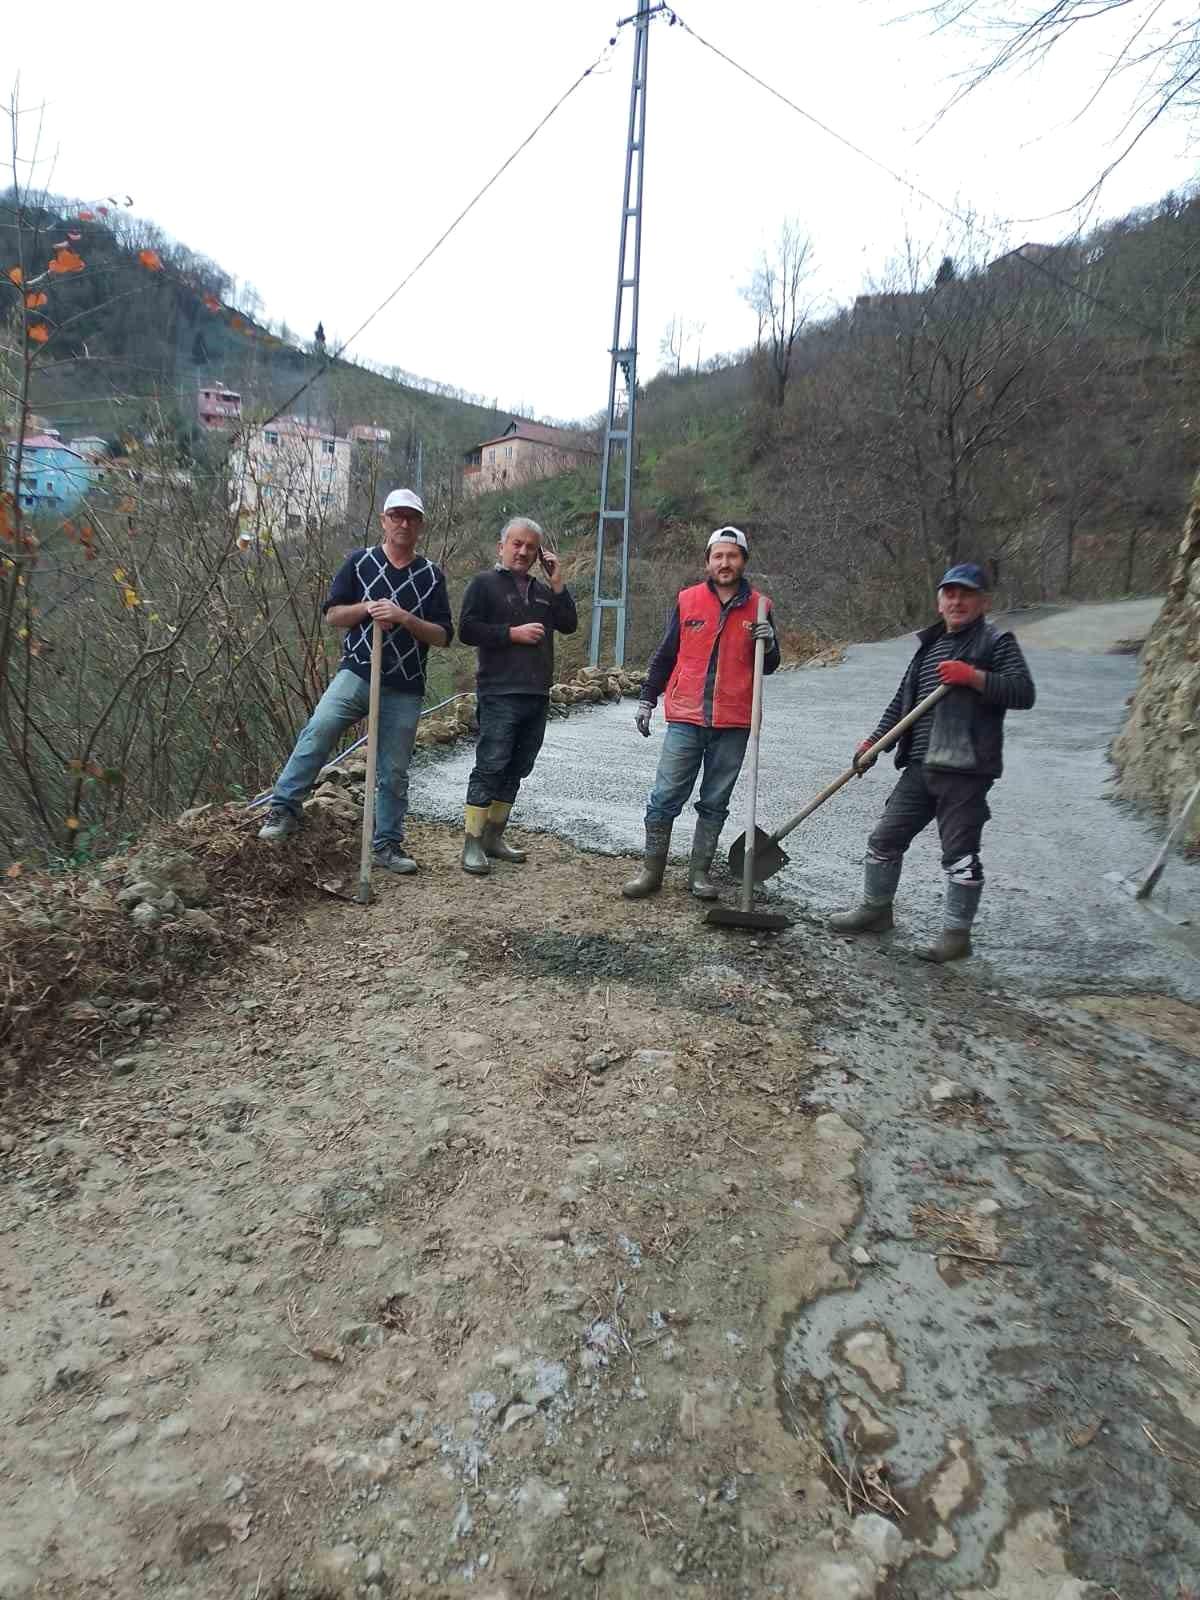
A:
[1036, 409]
[149, 321]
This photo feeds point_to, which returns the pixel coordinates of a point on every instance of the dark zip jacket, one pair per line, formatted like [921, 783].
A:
[967, 734]
[491, 606]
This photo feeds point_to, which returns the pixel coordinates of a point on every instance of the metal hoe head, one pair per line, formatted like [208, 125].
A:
[769, 857]
[757, 921]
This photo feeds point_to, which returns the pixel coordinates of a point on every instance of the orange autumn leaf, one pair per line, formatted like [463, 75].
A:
[151, 260]
[14, 274]
[87, 216]
[211, 302]
[236, 324]
[15, 870]
[38, 332]
[66, 261]
[72, 824]
[34, 299]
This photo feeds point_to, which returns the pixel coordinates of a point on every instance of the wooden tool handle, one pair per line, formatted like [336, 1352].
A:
[880, 745]
[760, 651]
[364, 860]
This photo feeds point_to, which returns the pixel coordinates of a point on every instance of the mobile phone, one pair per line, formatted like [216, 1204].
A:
[542, 562]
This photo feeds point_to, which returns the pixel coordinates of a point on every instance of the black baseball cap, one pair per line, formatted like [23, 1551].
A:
[967, 575]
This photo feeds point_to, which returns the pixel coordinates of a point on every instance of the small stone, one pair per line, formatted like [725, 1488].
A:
[517, 1414]
[361, 1238]
[134, 893]
[367, 1335]
[373, 1566]
[176, 1427]
[145, 915]
[987, 1208]
[122, 1066]
[878, 1538]
[177, 1130]
[870, 1352]
[233, 1487]
[944, 1091]
[862, 1257]
[7, 1144]
[123, 1438]
[117, 1405]
[538, 1501]
[592, 1560]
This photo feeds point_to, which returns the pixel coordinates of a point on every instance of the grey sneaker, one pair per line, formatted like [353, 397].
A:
[280, 822]
[395, 858]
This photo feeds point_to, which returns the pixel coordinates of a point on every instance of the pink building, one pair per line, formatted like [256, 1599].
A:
[523, 453]
[218, 407]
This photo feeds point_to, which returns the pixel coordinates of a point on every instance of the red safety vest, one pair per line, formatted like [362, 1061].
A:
[733, 688]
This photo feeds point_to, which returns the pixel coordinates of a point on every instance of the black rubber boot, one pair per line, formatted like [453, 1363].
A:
[493, 834]
[704, 848]
[474, 856]
[881, 879]
[654, 863]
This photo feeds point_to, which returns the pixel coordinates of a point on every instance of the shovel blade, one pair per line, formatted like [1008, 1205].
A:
[769, 857]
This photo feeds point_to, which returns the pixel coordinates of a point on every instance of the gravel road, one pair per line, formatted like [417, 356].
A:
[1049, 920]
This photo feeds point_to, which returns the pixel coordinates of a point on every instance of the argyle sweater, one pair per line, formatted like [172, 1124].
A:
[420, 587]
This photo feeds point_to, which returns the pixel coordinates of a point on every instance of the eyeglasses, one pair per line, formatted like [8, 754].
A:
[403, 516]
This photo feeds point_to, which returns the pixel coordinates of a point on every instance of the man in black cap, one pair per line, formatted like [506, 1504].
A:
[948, 760]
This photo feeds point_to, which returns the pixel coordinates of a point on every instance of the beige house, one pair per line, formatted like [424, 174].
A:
[523, 453]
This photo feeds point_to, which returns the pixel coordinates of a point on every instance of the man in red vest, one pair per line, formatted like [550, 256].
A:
[706, 664]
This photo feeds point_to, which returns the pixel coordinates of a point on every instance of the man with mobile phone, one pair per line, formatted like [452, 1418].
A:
[511, 618]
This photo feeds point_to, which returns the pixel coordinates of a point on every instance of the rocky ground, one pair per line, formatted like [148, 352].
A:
[503, 1239]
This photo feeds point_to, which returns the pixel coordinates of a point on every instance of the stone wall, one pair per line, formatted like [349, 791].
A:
[1157, 753]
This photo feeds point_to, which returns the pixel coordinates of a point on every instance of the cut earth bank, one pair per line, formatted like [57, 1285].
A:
[503, 1240]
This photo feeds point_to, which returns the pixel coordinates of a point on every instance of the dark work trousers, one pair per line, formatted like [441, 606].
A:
[511, 730]
[959, 802]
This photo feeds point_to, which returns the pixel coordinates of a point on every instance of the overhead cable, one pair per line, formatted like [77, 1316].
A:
[441, 239]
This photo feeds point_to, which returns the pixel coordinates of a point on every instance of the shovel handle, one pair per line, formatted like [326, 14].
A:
[760, 651]
[368, 829]
[880, 745]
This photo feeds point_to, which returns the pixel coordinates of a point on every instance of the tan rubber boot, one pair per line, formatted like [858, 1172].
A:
[654, 863]
[493, 834]
[474, 856]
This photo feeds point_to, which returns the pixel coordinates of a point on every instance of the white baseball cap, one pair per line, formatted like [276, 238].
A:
[728, 536]
[404, 500]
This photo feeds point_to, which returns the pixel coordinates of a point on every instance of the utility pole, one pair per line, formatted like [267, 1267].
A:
[616, 468]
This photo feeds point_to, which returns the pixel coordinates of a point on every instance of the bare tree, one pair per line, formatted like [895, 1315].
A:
[776, 294]
[670, 346]
[1159, 47]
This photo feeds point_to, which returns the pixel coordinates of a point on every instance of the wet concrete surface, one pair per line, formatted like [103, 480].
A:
[1049, 919]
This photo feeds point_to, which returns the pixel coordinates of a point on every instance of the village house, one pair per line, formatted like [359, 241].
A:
[218, 406]
[288, 476]
[54, 476]
[523, 453]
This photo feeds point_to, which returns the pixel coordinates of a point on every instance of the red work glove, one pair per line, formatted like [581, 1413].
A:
[860, 766]
[959, 674]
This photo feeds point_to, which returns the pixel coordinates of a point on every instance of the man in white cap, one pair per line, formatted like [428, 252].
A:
[706, 665]
[390, 584]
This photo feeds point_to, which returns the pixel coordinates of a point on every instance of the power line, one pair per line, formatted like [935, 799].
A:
[907, 183]
[441, 239]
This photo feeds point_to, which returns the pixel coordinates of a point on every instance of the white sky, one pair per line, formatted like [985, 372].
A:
[317, 152]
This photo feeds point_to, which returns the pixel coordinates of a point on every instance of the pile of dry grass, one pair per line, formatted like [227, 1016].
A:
[77, 971]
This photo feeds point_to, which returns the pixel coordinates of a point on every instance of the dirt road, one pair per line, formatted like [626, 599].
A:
[504, 1240]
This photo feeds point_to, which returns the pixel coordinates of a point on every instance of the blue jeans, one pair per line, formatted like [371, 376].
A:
[685, 749]
[344, 703]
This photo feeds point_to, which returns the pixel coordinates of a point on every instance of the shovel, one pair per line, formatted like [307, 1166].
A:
[765, 853]
[364, 861]
[744, 914]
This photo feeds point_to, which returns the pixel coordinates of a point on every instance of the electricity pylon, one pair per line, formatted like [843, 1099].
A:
[616, 468]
